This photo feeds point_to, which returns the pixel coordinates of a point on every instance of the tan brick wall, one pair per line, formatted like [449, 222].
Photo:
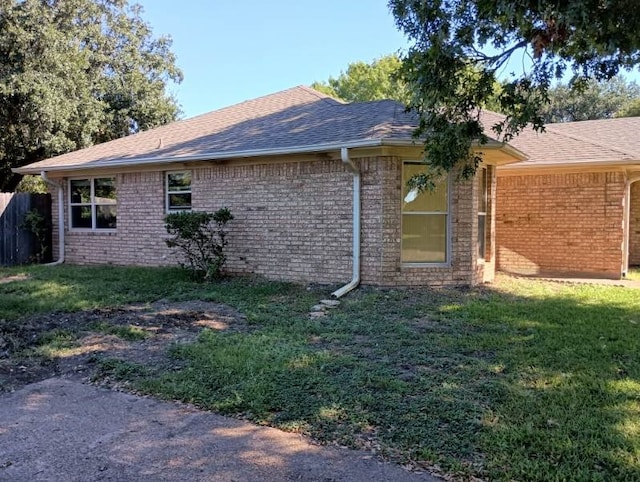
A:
[385, 184]
[634, 225]
[569, 223]
[292, 222]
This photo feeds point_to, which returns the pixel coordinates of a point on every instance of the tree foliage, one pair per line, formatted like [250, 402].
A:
[32, 184]
[74, 73]
[631, 109]
[595, 100]
[363, 82]
[460, 48]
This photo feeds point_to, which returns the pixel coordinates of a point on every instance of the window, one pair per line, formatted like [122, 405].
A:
[482, 211]
[425, 220]
[92, 203]
[178, 191]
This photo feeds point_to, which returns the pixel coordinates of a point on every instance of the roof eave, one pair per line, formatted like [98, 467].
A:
[532, 166]
[516, 154]
[214, 156]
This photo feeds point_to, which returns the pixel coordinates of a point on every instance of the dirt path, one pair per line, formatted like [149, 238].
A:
[74, 345]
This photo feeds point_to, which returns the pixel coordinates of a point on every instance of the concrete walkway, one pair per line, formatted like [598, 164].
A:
[63, 430]
[625, 283]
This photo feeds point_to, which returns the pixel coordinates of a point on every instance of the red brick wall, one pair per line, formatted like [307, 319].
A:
[292, 222]
[569, 223]
[634, 225]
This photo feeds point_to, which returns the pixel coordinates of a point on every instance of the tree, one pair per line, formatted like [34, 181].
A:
[74, 73]
[631, 109]
[597, 100]
[363, 82]
[460, 48]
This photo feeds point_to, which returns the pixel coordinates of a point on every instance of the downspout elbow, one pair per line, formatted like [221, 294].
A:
[355, 279]
[60, 190]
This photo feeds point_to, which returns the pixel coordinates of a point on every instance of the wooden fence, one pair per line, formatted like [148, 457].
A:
[18, 245]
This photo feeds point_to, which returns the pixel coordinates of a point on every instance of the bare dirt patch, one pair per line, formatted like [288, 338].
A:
[11, 279]
[74, 345]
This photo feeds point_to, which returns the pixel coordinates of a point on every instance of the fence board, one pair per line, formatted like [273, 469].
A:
[19, 246]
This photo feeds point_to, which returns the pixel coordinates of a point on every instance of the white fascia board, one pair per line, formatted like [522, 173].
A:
[211, 156]
[524, 166]
[215, 156]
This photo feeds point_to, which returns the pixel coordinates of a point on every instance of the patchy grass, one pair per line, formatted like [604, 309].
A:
[525, 380]
[66, 288]
[119, 370]
[126, 332]
[634, 274]
[51, 344]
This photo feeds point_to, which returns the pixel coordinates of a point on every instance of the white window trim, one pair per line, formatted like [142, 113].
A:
[92, 204]
[448, 245]
[184, 191]
[485, 193]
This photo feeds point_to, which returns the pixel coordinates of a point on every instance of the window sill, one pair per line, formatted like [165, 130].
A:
[174, 211]
[92, 231]
[425, 265]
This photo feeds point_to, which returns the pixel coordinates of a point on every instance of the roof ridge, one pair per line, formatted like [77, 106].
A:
[588, 141]
[318, 94]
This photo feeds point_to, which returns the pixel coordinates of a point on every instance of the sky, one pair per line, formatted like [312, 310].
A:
[234, 50]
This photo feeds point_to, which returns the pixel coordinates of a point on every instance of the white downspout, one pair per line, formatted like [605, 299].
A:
[60, 189]
[355, 280]
[626, 216]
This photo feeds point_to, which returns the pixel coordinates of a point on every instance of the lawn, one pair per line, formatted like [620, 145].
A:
[523, 380]
[634, 274]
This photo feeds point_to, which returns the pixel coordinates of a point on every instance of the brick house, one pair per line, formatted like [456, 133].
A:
[573, 206]
[317, 188]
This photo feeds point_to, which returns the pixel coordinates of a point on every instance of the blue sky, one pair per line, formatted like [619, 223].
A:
[231, 51]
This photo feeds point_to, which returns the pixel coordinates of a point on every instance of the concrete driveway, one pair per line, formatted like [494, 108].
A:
[59, 430]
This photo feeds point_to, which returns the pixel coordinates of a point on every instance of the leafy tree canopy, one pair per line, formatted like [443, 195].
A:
[74, 73]
[595, 100]
[631, 109]
[460, 47]
[363, 82]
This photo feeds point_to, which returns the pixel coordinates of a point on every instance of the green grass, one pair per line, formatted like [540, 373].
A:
[53, 343]
[528, 380]
[119, 370]
[634, 274]
[126, 332]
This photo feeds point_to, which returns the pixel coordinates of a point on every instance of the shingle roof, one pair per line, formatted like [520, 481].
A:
[296, 117]
[301, 117]
[599, 141]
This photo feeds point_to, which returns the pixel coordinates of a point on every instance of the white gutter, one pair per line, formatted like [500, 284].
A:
[536, 166]
[355, 280]
[60, 189]
[213, 156]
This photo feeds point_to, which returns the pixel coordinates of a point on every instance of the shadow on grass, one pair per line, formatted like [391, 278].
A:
[523, 381]
[539, 385]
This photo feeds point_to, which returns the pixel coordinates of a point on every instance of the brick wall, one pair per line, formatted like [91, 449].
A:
[568, 223]
[292, 222]
[385, 184]
[634, 225]
[140, 233]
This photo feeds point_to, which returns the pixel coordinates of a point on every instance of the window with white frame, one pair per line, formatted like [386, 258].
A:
[483, 193]
[92, 203]
[425, 220]
[178, 189]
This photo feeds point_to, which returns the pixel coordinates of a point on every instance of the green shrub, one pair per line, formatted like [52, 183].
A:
[201, 238]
